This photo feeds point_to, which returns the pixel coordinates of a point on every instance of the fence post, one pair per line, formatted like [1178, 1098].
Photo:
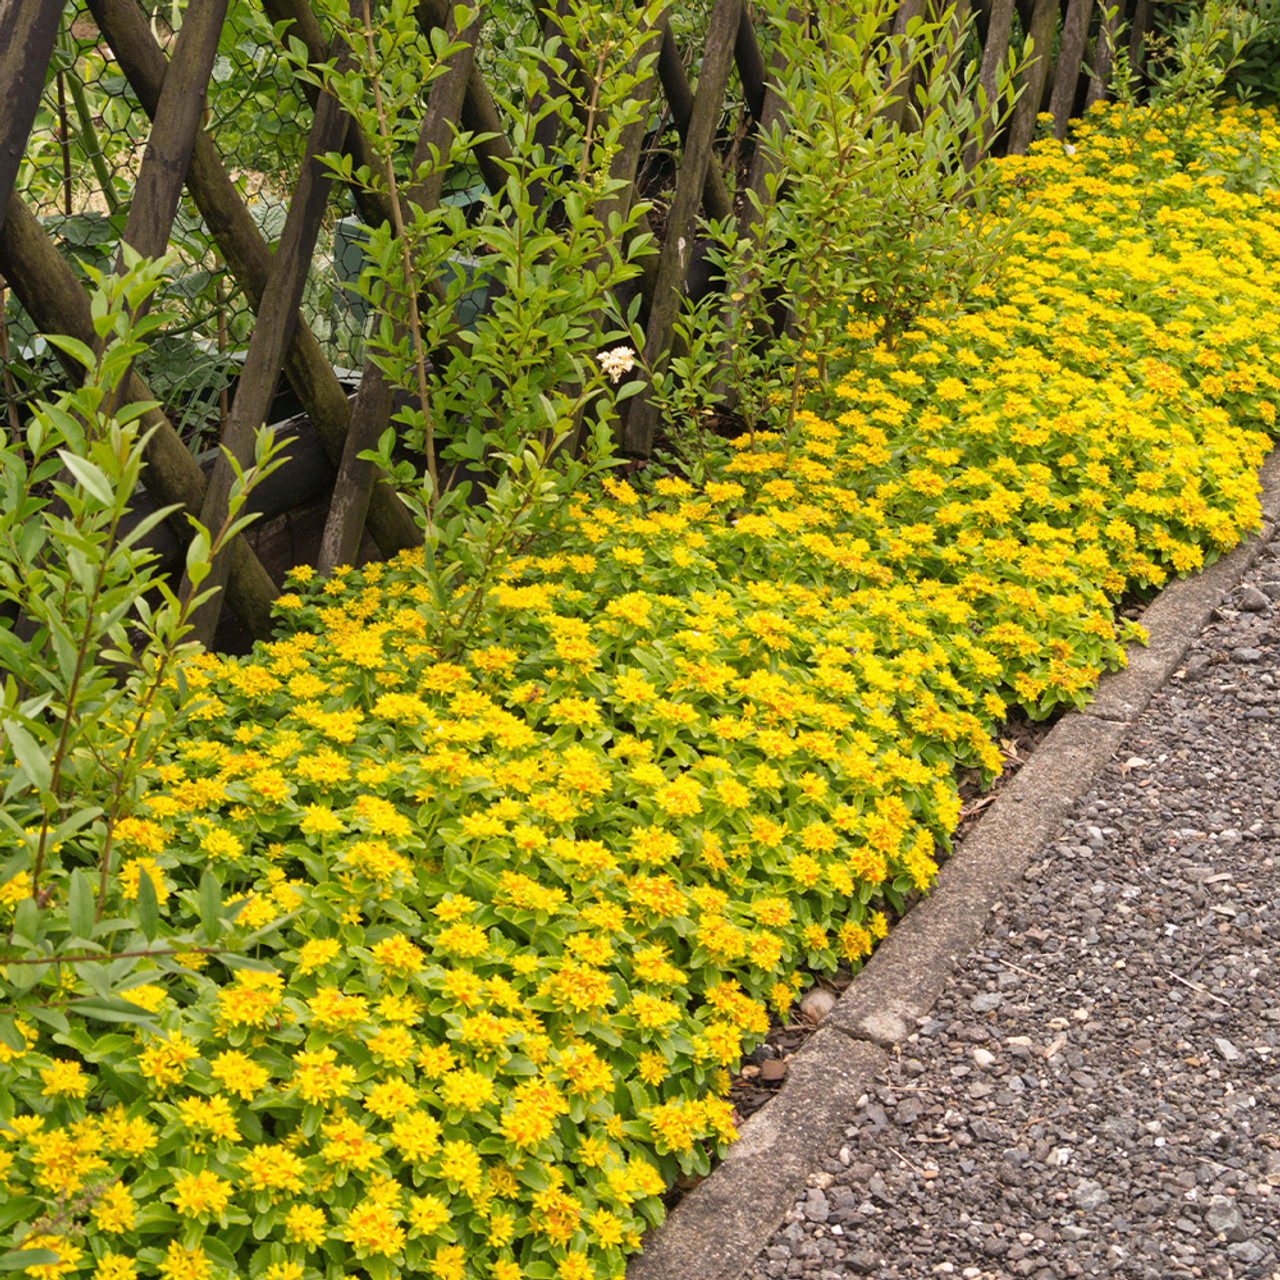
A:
[673, 263]
[1075, 32]
[28, 32]
[1044, 22]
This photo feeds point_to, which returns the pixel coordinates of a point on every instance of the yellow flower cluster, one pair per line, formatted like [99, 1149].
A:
[525, 907]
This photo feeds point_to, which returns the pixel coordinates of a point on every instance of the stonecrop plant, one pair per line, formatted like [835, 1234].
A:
[525, 906]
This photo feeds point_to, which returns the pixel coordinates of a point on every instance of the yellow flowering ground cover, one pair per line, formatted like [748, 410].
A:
[534, 901]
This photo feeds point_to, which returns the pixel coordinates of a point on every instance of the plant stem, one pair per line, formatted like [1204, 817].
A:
[91, 956]
[411, 292]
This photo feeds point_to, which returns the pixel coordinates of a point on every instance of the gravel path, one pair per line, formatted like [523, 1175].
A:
[1098, 1091]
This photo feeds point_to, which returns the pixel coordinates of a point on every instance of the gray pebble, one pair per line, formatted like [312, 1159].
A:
[1224, 1218]
[816, 1208]
[1089, 1196]
[1247, 1251]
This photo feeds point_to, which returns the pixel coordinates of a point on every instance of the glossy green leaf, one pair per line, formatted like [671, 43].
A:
[80, 905]
[91, 478]
[148, 906]
[210, 905]
[30, 756]
[21, 1259]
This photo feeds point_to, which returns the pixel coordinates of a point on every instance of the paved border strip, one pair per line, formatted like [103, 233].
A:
[717, 1230]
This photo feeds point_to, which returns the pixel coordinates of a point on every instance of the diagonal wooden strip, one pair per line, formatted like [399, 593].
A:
[302, 24]
[1104, 55]
[1022, 128]
[1075, 31]
[273, 328]
[248, 257]
[28, 32]
[444, 107]
[615, 210]
[750, 60]
[546, 130]
[675, 83]
[999, 29]
[673, 262]
[770, 138]
[168, 152]
[344, 525]
[899, 111]
[1139, 30]
[58, 303]
[950, 60]
[625, 165]
[765, 163]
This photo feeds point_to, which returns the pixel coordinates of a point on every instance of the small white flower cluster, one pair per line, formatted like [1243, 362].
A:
[617, 362]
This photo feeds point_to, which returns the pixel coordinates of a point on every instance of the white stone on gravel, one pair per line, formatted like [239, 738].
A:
[1089, 1195]
[1227, 1049]
[816, 1005]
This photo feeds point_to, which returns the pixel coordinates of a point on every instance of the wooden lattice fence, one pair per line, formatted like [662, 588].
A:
[186, 176]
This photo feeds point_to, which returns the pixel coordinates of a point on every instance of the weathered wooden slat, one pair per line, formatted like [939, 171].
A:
[248, 258]
[373, 203]
[305, 479]
[173, 134]
[898, 110]
[1066, 76]
[675, 84]
[625, 164]
[961, 17]
[277, 317]
[982, 18]
[624, 171]
[444, 107]
[750, 60]
[1104, 49]
[770, 135]
[766, 160]
[999, 29]
[349, 505]
[1139, 30]
[57, 303]
[546, 130]
[1022, 128]
[28, 32]
[673, 262]
[303, 25]
[168, 151]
